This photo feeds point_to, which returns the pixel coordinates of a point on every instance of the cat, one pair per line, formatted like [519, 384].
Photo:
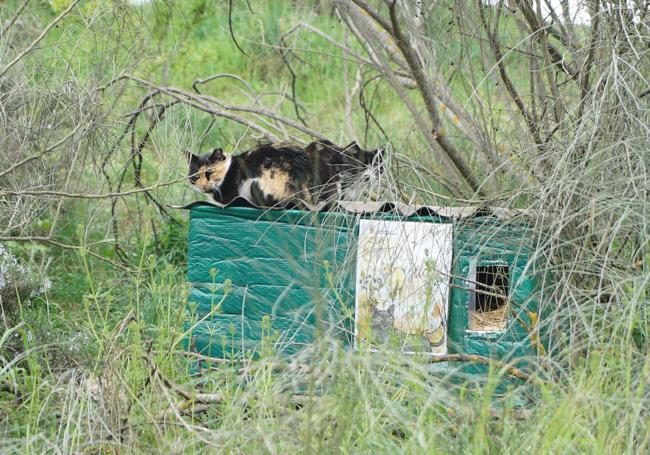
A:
[383, 328]
[340, 169]
[382, 324]
[280, 174]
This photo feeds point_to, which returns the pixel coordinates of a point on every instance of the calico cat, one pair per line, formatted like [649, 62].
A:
[384, 331]
[279, 174]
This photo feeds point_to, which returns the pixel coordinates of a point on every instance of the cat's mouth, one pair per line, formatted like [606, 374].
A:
[201, 189]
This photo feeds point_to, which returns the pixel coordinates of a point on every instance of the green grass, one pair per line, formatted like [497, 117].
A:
[92, 383]
[84, 386]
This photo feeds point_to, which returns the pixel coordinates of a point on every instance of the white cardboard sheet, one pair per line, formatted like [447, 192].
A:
[402, 286]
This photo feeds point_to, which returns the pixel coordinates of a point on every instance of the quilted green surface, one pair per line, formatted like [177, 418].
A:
[275, 275]
[257, 273]
[485, 241]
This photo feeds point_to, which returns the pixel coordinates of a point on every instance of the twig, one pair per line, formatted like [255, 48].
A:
[198, 82]
[424, 87]
[232, 33]
[43, 152]
[87, 195]
[513, 371]
[130, 317]
[585, 71]
[53, 242]
[368, 113]
[538, 28]
[13, 19]
[512, 91]
[39, 38]
[205, 398]
[425, 129]
[208, 358]
[294, 79]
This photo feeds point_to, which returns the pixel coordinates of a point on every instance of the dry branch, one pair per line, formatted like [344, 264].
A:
[472, 358]
[40, 37]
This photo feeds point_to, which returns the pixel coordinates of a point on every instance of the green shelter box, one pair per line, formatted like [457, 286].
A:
[380, 277]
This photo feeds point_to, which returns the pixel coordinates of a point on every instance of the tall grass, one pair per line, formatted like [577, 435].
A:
[92, 384]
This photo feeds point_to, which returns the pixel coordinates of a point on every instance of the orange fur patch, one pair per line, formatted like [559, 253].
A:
[275, 183]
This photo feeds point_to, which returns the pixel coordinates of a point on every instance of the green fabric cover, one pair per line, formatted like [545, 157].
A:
[286, 267]
[485, 240]
[291, 269]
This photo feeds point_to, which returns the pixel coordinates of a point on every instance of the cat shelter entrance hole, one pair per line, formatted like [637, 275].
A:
[490, 284]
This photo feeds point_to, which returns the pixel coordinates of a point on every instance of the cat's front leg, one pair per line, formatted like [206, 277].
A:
[217, 195]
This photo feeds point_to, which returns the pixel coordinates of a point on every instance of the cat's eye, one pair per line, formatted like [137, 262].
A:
[208, 174]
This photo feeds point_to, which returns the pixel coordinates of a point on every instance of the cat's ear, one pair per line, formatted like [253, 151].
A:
[191, 157]
[371, 157]
[217, 155]
[391, 308]
[351, 148]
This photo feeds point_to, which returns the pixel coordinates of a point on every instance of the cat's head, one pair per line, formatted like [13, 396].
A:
[383, 318]
[362, 173]
[207, 171]
[363, 158]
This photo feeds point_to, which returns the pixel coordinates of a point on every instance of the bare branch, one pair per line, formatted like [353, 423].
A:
[50, 241]
[13, 19]
[232, 33]
[39, 155]
[45, 31]
[533, 129]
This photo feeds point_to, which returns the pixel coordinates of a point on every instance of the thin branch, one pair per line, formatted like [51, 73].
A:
[40, 37]
[294, 79]
[232, 33]
[356, 15]
[43, 152]
[368, 113]
[424, 86]
[201, 102]
[585, 71]
[198, 82]
[50, 241]
[536, 27]
[473, 358]
[512, 91]
[13, 19]
[87, 195]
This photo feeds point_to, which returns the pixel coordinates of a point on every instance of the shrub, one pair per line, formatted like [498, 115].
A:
[18, 284]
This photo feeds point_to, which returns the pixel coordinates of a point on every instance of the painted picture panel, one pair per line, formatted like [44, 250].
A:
[403, 276]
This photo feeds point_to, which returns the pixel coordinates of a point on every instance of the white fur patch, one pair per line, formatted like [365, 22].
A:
[244, 189]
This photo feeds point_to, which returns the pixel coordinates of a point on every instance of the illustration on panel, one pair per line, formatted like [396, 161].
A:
[403, 275]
